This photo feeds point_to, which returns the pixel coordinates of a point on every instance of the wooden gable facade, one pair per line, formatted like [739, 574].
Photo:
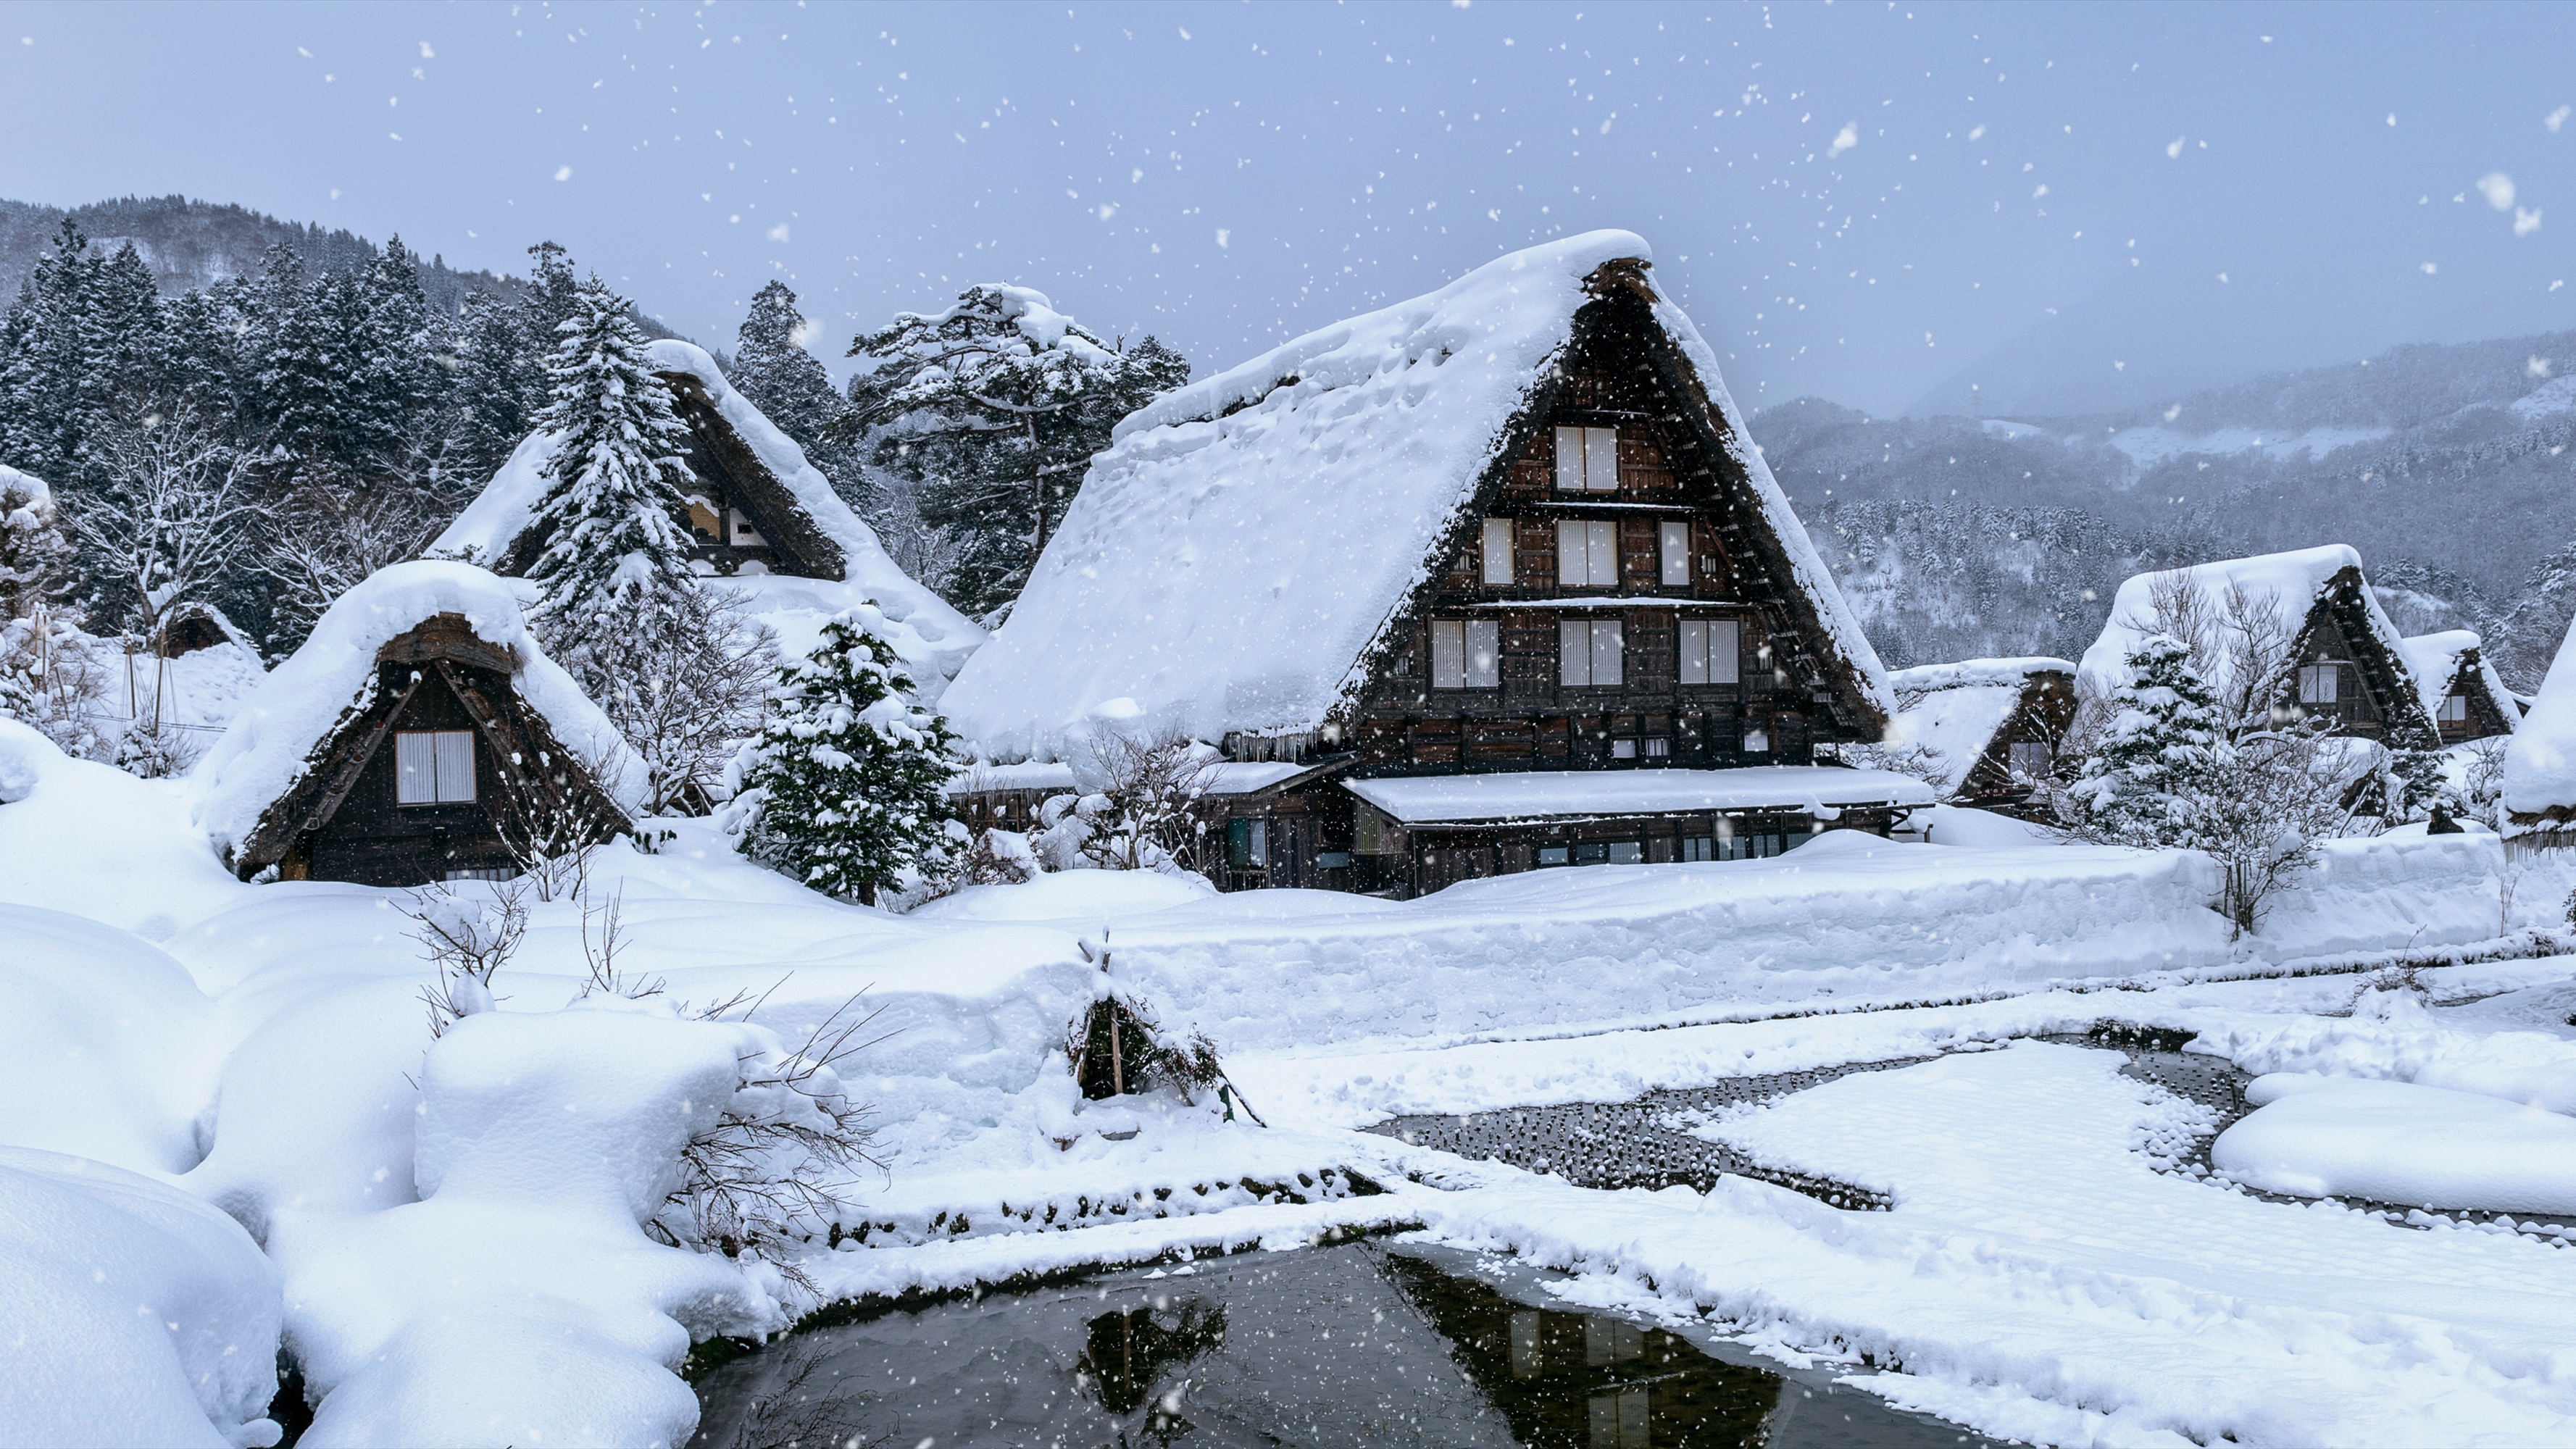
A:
[2341, 670]
[1615, 599]
[2023, 751]
[2471, 706]
[442, 772]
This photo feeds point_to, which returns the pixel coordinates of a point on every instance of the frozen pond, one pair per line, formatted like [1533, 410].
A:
[1361, 1344]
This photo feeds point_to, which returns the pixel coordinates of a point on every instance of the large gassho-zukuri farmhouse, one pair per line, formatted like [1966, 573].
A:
[1495, 570]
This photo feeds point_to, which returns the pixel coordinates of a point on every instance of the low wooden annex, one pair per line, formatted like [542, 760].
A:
[2467, 698]
[418, 737]
[2299, 634]
[1510, 528]
[1990, 728]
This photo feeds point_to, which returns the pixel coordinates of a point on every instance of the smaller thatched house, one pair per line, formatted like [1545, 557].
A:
[2467, 699]
[417, 736]
[1988, 728]
[2295, 635]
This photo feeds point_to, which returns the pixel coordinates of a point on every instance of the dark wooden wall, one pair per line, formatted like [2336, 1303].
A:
[370, 840]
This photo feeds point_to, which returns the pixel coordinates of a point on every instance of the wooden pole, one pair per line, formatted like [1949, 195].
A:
[1117, 1072]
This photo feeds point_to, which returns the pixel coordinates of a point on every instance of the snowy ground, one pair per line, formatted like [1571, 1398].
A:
[413, 1218]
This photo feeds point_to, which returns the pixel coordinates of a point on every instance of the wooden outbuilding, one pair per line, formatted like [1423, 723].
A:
[1510, 528]
[2468, 700]
[1989, 729]
[418, 736]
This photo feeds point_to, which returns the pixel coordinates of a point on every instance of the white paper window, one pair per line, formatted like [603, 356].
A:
[2031, 759]
[1675, 553]
[1587, 553]
[1587, 460]
[2317, 683]
[433, 767]
[1590, 651]
[1709, 651]
[1465, 653]
[1659, 749]
[1757, 740]
[1498, 550]
[1623, 749]
[743, 532]
[2455, 709]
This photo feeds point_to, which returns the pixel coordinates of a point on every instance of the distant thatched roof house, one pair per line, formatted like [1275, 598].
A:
[1991, 727]
[2328, 649]
[760, 514]
[1501, 554]
[2540, 762]
[417, 736]
[2466, 697]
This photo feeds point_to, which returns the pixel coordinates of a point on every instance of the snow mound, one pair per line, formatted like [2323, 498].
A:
[271, 741]
[140, 1315]
[2400, 1142]
[932, 638]
[1244, 540]
[106, 1049]
[90, 839]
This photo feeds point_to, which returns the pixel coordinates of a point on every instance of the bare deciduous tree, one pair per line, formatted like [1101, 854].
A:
[685, 689]
[1143, 813]
[332, 545]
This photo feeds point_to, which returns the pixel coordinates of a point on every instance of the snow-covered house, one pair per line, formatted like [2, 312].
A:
[419, 735]
[1511, 528]
[760, 514]
[1988, 728]
[2296, 633]
[2540, 763]
[2466, 697]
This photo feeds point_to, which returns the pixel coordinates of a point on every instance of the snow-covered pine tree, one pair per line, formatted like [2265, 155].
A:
[42, 368]
[35, 557]
[394, 382]
[843, 789]
[994, 407]
[488, 397]
[2155, 763]
[782, 379]
[614, 552]
[2536, 621]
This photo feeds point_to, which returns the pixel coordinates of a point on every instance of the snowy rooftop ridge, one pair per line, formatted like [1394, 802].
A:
[1245, 541]
[1974, 673]
[929, 633]
[2291, 582]
[271, 740]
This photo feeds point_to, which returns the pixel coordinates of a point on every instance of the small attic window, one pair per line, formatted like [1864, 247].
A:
[434, 767]
[2455, 709]
[743, 532]
[1587, 460]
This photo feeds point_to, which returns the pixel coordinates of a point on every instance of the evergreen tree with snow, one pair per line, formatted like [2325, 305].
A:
[844, 788]
[35, 557]
[782, 379]
[2536, 621]
[993, 408]
[615, 552]
[2149, 777]
[490, 393]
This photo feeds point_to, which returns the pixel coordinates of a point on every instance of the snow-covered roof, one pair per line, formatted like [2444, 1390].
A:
[1951, 711]
[39, 495]
[271, 741]
[2540, 760]
[1541, 794]
[1051, 775]
[2435, 661]
[1252, 776]
[2291, 582]
[929, 634]
[1245, 540]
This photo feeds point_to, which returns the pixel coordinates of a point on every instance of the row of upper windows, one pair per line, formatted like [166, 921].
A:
[1587, 553]
[2323, 684]
[1591, 653]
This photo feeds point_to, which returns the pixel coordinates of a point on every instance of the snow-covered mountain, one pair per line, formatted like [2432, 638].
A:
[2449, 467]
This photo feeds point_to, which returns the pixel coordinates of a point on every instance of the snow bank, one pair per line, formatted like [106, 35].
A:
[92, 840]
[2397, 1142]
[2540, 762]
[271, 741]
[106, 1047]
[519, 1301]
[932, 638]
[138, 1315]
[2394, 892]
[2392, 1038]
[1244, 540]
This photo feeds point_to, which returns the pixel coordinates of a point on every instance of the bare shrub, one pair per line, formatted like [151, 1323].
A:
[470, 931]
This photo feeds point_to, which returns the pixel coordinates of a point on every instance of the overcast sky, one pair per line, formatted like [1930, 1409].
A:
[2066, 206]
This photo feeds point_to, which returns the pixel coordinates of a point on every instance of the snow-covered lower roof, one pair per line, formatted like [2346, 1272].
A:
[1952, 711]
[1973, 673]
[1541, 794]
[2540, 760]
[270, 743]
[2289, 582]
[928, 633]
[1245, 540]
[1052, 775]
[2435, 662]
[1253, 776]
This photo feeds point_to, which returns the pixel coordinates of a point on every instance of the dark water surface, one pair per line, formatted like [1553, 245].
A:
[1353, 1345]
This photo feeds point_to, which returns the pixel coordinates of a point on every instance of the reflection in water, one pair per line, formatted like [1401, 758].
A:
[1325, 1346]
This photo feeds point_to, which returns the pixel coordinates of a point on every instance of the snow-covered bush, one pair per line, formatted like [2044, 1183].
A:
[844, 787]
[470, 930]
[1142, 812]
[1118, 1045]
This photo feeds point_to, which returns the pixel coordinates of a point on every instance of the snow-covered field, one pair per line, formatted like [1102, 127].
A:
[224, 1123]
